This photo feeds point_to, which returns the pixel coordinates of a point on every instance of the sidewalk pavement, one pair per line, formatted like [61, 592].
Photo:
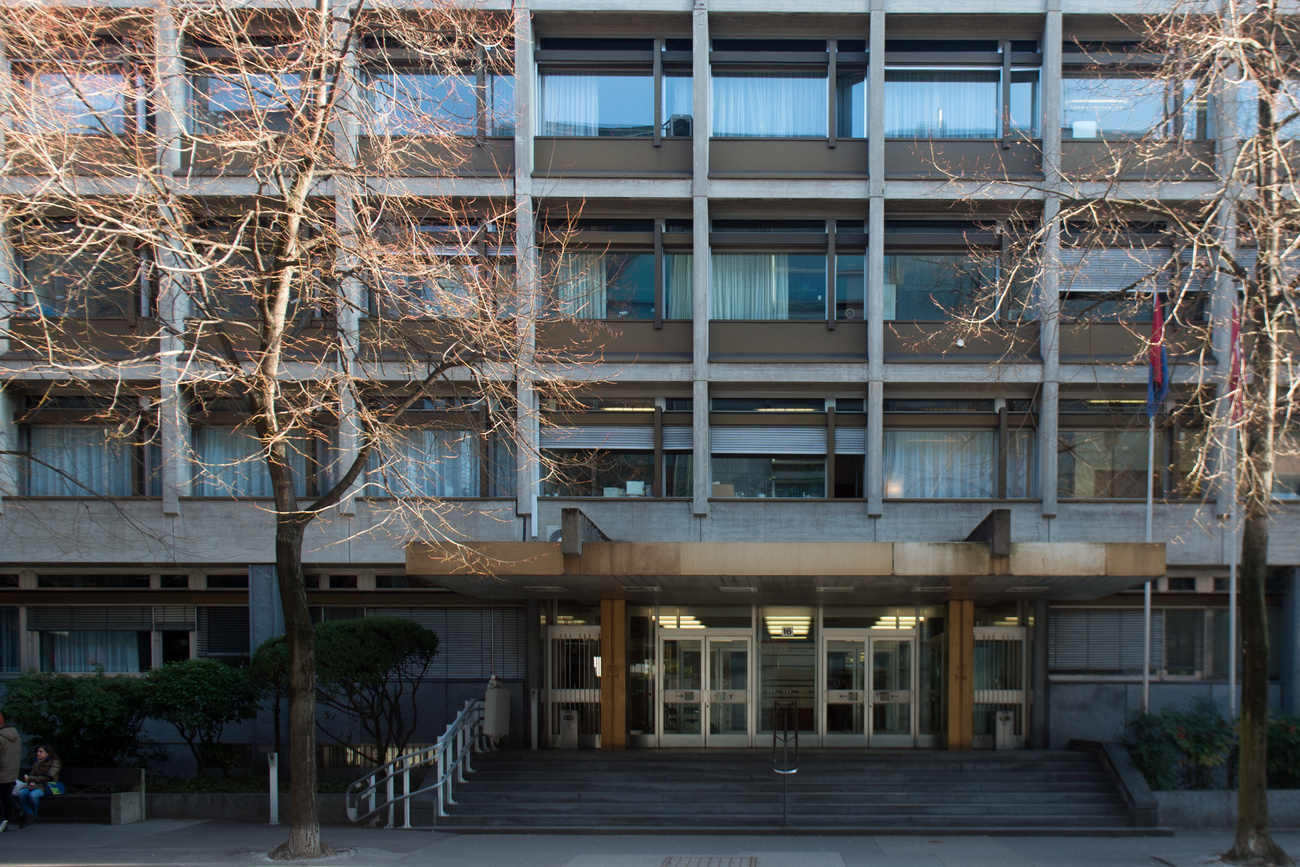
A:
[234, 844]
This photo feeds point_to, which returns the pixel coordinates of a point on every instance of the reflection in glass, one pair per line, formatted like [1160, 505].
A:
[1102, 463]
[75, 103]
[682, 670]
[1130, 107]
[616, 104]
[845, 673]
[891, 684]
[937, 286]
[598, 473]
[729, 685]
[769, 476]
[425, 103]
[605, 285]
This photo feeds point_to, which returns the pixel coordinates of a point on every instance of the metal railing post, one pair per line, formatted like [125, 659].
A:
[785, 730]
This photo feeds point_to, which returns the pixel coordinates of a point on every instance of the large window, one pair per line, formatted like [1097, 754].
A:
[620, 269]
[244, 101]
[229, 462]
[411, 100]
[771, 88]
[1114, 284]
[1286, 467]
[1287, 111]
[1104, 97]
[447, 272]
[81, 99]
[75, 271]
[615, 459]
[956, 89]
[774, 269]
[606, 87]
[779, 89]
[939, 272]
[1102, 464]
[10, 640]
[79, 462]
[955, 449]
[441, 462]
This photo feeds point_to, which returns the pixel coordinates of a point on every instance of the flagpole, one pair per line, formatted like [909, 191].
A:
[1232, 583]
[1146, 588]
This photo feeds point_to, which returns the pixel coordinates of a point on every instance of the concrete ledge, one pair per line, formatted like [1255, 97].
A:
[118, 808]
[1218, 808]
[241, 808]
[1127, 778]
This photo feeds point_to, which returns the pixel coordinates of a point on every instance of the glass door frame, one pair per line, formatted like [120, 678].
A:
[704, 738]
[867, 637]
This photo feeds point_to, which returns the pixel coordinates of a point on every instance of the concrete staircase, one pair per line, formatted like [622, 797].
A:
[834, 792]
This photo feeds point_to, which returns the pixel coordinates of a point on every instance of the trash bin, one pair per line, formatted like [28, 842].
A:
[1004, 736]
[569, 730]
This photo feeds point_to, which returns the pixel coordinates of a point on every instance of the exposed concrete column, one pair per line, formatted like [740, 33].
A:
[875, 266]
[1051, 118]
[701, 473]
[1287, 644]
[613, 674]
[960, 639]
[348, 316]
[524, 102]
[1040, 710]
[1049, 307]
[528, 471]
[170, 95]
[876, 100]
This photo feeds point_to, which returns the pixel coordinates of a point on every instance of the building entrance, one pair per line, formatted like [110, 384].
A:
[705, 677]
[870, 682]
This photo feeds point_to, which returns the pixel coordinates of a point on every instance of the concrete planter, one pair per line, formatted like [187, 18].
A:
[243, 808]
[1218, 808]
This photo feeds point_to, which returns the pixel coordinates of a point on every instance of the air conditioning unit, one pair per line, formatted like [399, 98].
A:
[553, 533]
[679, 125]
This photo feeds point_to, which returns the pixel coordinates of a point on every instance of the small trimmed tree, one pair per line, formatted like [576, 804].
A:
[368, 671]
[90, 720]
[198, 697]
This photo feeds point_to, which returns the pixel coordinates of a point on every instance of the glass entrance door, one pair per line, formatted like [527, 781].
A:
[706, 694]
[869, 680]
[893, 723]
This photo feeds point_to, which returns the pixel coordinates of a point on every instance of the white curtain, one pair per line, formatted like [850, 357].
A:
[426, 463]
[942, 464]
[581, 285]
[570, 104]
[72, 652]
[769, 104]
[942, 105]
[680, 278]
[77, 461]
[230, 463]
[750, 286]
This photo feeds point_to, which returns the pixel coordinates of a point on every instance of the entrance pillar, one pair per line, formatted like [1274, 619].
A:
[613, 674]
[960, 640]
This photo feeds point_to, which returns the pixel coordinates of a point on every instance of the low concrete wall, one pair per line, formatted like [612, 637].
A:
[243, 808]
[1218, 809]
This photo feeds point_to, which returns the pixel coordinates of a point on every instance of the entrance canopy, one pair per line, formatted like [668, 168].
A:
[789, 572]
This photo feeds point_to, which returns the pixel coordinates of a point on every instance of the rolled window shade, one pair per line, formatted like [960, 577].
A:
[850, 441]
[678, 438]
[768, 440]
[624, 438]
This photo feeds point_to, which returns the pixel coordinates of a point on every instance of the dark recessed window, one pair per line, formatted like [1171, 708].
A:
[174, 582]
[343, 582]
[1182, 585]
[228, 582]
[115, 582]
[8, 582]
[407, 582]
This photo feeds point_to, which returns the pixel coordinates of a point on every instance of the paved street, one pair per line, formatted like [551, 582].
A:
[215, 842]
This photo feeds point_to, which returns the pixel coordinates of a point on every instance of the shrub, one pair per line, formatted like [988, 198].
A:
[90, 720]
[1180, 749]
[198, 697]
[1284, 752]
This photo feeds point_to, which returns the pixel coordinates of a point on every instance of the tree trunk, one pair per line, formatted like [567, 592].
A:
[304, 825]
[1253, 844]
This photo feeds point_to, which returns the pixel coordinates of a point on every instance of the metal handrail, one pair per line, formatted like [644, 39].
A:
[785, 731]
[449, 759]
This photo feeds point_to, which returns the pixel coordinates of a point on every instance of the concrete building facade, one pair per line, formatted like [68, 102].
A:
[798, 477]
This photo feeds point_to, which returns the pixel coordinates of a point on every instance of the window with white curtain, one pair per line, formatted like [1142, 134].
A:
[229, 462]
[78, 462]
[426, 462]
[941, 463]
[605, 88]
[769, 104]
[943, 104]
[610, 272]
[759, 286]
[74, 652]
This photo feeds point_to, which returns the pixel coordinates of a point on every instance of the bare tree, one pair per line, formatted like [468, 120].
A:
[1208, 93]
[215, 192]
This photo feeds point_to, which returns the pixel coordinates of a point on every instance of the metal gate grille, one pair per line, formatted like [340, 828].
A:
[573, 684]
[1000, 676]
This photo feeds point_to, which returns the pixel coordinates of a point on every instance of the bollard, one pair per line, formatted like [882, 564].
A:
[273, 759]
